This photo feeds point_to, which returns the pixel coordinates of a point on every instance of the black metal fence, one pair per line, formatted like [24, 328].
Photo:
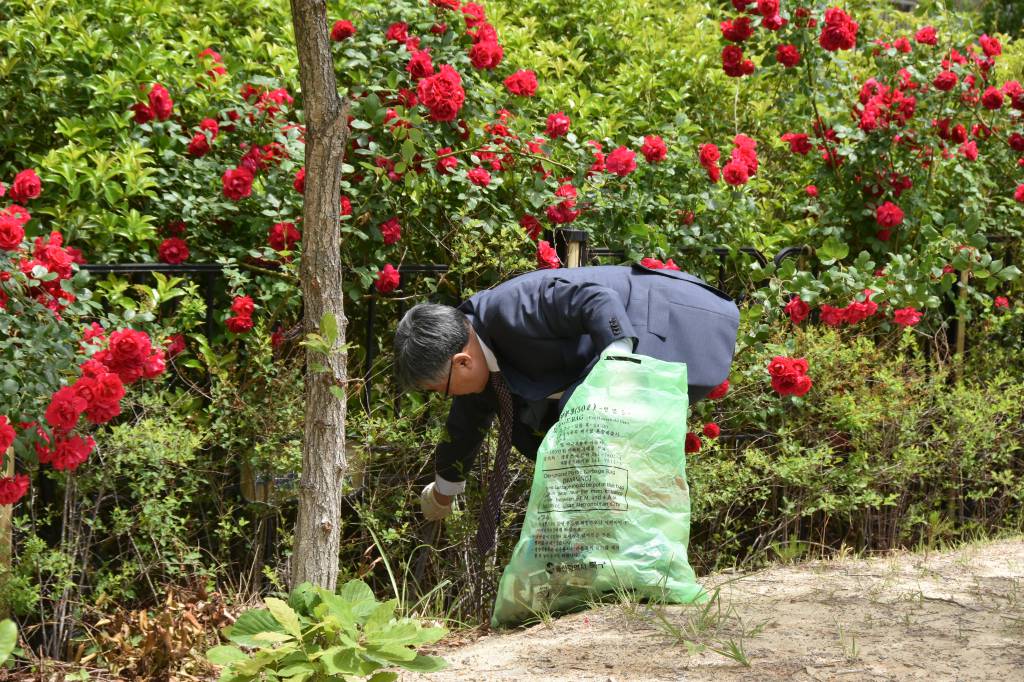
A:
[209, 275]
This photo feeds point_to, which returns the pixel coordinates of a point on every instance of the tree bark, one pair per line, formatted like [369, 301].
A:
[317, 532]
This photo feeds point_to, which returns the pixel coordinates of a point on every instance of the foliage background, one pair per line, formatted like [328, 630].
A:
[899, 444]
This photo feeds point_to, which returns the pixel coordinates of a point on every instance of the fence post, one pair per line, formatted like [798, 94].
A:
[575, 243]
[6, 525]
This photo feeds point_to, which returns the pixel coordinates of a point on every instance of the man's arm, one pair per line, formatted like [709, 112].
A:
[571, 309]
[468, 421]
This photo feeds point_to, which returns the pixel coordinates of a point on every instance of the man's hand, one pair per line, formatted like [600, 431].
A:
[435, 506]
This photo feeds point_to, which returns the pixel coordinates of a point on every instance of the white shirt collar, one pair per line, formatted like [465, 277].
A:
[492, 363]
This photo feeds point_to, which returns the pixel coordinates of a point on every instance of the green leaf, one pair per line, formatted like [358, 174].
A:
[225, 655]
[284, 615]
[360, 598]
[425, 664]
[8, 638]
[833, 250]
[249, 624]
[341, 661]
[329, 328]
[384, 676]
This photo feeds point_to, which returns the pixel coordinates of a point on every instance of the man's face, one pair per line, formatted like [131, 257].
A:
[467, 373]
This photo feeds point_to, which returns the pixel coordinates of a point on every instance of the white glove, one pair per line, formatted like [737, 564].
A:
[432, 509]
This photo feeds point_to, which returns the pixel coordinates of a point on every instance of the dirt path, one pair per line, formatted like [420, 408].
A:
[955, 615]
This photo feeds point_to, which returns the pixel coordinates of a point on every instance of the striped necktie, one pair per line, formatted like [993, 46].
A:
[490, 513]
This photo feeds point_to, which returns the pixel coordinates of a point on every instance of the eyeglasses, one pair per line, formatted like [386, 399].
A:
[448, 385]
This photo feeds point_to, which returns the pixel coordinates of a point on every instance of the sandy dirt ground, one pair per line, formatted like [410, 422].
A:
[955, 615]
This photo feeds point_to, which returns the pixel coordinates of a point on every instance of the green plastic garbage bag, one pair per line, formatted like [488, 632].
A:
[609, 509]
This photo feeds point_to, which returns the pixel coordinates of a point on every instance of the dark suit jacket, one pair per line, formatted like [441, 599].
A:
[547, 329]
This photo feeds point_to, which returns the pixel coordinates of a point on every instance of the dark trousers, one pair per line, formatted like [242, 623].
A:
[532, 421]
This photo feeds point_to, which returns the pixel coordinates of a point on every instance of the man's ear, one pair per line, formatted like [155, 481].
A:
[463, 360]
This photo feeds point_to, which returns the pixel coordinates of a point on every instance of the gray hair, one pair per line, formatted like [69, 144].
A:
[426, 339]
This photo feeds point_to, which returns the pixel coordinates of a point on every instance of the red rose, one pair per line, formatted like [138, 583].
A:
[387, 279]
[345, 206]
[767, 8]
[832, 316]
[563, 212]
[210, 53]
[546, 255]
[737, 30]
[342, 30]
[797, 310]
[154, 365]
[839, 31]
[773, 23]
[13, 488]
[173, 251]
[300, 181]
[11, 233]
[945, 81]
[1001, 302]
[243, 306]
[66, 406]
[442, 94]
[283, 236]
[532, 226]
[709, 154]
[26, 185]
[70, 453]
[211, 125]
[655, 264]
[745, 151]
[889, 215]
[486, 55]
[907, 317]
[237, 183]
[175, 345]
[479, 177]
[160, 102]
[94, 332]
[7, 433]
[199, 146]
[439, 29]
[719, 391]
[958, 134]
[789, 375]
[991, 46]
[735, 173]
[693, 442]
[398, 31]
[654, 149]
[558, 125]
[992, 99]
[787, 55]
[522, 83]
[811, 190]
[732, 60]
[858, 311]
[446, 164]
[712, 430]
[446, 4]
[473, 14]
[391, 230]
[141, 113]
[622, 161]
[926, 36]
[239, 325]
[420, 65]
[106, 390]
[969, 150]
[1018, 196]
